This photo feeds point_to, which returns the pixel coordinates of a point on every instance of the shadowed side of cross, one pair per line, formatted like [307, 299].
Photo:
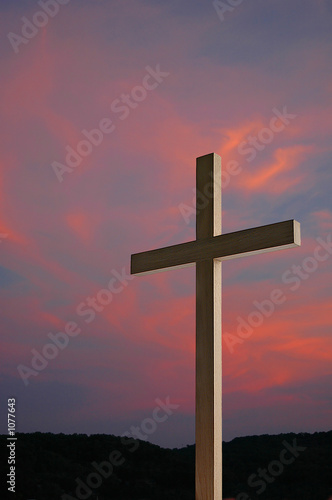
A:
[208, 251]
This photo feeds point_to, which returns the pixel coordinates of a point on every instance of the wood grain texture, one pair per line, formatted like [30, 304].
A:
[208, 476]
[271, 237]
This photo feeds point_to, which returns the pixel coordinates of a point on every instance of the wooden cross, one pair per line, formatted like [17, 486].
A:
[208, 251]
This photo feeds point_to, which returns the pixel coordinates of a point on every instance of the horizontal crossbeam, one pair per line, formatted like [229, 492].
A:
[280, 235]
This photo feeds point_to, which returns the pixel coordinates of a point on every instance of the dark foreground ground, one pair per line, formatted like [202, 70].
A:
[105, 467]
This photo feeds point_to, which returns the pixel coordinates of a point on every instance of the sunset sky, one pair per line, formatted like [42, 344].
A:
[148, 86]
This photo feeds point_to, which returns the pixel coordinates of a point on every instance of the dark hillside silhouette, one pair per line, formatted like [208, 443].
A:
[68, 467]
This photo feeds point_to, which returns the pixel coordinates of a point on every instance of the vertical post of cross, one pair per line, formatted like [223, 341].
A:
[208, 334]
